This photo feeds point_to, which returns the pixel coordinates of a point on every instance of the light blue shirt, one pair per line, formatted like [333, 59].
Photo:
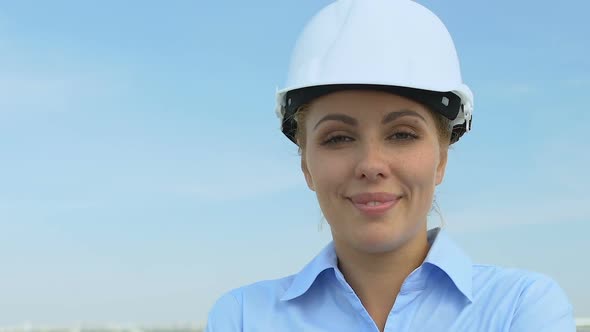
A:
[446, 293]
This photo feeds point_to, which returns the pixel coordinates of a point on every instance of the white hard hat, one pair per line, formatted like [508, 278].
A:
[390, 45]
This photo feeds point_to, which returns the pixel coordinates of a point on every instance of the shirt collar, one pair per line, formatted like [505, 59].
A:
[326, 259]
[443, 253]
[448, 257]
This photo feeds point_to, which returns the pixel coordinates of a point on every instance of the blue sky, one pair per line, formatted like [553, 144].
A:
[143, 172]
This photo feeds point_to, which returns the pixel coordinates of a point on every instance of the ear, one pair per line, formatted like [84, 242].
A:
[442, 165]
[306, 173]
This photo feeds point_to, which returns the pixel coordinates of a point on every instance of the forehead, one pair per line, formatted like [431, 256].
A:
[364, 104]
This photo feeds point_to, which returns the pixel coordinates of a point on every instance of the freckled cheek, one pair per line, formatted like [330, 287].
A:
[330, 180]
[330, 176]
[328, 192]
[419, 173]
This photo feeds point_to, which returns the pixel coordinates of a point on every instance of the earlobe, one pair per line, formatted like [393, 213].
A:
[306, 173]
[442, 165]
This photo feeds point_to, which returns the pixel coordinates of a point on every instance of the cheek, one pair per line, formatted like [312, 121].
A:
[327, 173]
[330, 176]
[421, 172]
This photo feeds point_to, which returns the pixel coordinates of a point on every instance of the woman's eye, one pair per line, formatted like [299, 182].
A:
[404, 136]
[337, 139]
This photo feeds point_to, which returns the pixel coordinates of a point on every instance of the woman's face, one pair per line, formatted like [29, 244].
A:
[373, 159]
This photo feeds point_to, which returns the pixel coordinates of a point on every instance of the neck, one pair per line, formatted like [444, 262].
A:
[376, 278]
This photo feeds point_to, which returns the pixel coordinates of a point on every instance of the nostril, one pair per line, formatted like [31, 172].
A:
[373, 174]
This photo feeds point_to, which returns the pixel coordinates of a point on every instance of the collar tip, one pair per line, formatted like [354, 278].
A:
[288, 296]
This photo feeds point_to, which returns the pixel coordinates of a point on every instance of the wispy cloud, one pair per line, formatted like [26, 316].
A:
[40, 79]
[45, 205]
[507, 89]
[556, 190]
[38, 93]
[241, 176]
[46, 92]
[576, 83]
[553, 210]
[520, 89]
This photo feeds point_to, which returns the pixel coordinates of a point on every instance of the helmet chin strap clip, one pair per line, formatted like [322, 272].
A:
[467, 111]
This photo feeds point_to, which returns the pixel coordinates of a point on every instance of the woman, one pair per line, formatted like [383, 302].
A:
[373, 101]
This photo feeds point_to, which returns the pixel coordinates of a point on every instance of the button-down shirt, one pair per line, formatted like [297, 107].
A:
[447, 292]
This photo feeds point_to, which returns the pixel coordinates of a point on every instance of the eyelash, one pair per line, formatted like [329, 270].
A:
[337, 139]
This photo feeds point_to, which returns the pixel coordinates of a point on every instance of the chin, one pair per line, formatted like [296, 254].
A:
[384, 237]
[380, 242]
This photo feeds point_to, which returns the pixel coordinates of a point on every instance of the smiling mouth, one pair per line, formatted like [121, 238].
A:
[374, 204]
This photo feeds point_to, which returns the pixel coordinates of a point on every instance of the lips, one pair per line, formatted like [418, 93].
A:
[374, 204]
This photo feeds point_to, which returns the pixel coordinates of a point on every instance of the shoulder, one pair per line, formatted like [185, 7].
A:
[225, 315]
[519, 280]
[487, 275]
[228, 311]
[533, 301]
[542, 306]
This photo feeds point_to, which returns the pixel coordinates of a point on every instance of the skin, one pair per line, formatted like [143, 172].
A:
[350, 150]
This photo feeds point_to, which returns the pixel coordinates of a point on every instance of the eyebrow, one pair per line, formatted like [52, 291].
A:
[398, 114]
[338, 117]
[353, 122]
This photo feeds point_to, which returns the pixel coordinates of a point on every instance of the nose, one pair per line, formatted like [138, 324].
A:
[372, 163]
